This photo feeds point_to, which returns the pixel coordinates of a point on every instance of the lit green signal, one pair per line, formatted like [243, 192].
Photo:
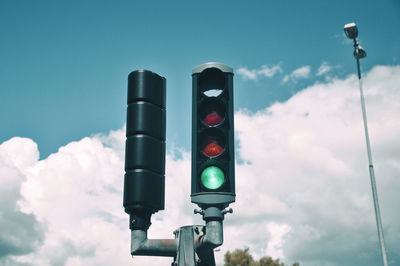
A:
[212, 178]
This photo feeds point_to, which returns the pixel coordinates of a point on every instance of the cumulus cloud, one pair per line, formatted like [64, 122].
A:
[307, 155]
[299, 73]
[264, 71]
[20, 232]
[303, 191]
[277, 233]
[77, 194]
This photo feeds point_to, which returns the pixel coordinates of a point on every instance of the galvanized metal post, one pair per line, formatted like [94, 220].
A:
[140, 245]
[371, 167]
[186, 255]
[193, 245]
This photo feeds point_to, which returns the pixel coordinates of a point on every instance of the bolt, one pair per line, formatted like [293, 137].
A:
[227, 211]
[198, 212]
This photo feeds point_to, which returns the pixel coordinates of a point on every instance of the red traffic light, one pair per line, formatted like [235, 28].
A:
[213, 144]
[213, 119]
[212, 111]
[213, 149]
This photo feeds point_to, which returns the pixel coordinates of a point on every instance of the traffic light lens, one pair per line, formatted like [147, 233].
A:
[212, 142]
[212, 111]
[212, 178]
[213, 119]
[213, 92]
[213, 149]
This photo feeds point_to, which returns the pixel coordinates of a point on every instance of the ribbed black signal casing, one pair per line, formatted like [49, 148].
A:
[144, 182]
[213, 77]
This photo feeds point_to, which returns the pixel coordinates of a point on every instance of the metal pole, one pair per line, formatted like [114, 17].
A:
[371, 167]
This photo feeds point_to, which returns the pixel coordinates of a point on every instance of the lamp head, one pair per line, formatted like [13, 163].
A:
[351, 30]
[359, 52]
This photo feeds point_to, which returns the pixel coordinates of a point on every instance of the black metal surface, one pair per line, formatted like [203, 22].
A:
[144, 180]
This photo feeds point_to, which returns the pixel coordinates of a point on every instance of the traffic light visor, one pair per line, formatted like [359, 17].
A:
[212, 82]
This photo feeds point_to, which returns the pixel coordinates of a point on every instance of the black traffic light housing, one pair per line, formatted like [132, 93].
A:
[213, 161]
[144, 182]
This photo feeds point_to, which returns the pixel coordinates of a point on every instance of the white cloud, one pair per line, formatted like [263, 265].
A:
[269, 72]
[275, 244]
[299, 73]
[21, 233]
[308, 155]
[303, 193]
[77, 194]
[323, 69]
[247, 74]
[286, 78]
[264, 71]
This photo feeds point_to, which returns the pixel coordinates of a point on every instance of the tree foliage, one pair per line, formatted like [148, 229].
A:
[241, 257]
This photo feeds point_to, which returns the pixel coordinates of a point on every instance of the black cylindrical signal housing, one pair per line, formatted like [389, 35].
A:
[144, 183]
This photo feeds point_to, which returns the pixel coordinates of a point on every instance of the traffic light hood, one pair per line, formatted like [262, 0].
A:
[224, 68]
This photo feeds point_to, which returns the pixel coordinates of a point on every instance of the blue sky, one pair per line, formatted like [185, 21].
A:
[65, 64]
[299, 134]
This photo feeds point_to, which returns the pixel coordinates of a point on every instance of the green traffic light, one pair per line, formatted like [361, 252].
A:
[212, 178]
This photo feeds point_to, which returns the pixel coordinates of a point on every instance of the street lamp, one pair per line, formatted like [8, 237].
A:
[351, 32]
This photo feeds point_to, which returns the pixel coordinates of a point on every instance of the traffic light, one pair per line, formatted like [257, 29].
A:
[213, 160]
[144, 182]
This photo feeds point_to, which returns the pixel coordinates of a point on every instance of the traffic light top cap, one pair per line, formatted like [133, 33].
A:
[145, 85]
[145, 71]
[220, 66]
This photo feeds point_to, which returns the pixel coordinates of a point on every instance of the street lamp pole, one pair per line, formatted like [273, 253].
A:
[359, 53]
